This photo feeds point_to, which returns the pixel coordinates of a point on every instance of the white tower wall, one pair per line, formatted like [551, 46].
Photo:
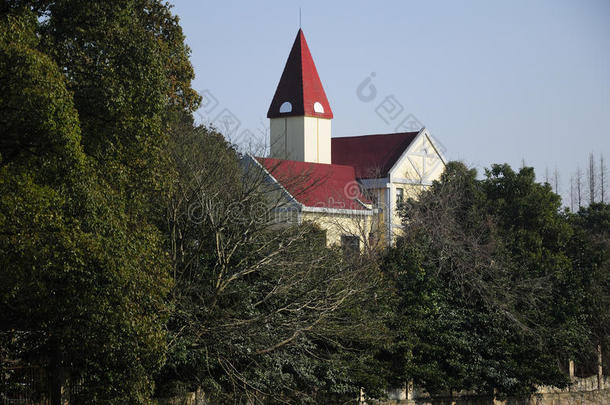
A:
[306, 139]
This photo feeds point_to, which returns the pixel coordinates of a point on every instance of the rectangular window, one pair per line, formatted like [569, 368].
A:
[350, 245]
[321, 237]
[400, 197]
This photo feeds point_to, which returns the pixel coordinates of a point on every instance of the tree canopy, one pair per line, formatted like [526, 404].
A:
[84, 275]
[140, 256]
[489, 298]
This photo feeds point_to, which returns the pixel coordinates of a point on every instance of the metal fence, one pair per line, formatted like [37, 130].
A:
[24, 386]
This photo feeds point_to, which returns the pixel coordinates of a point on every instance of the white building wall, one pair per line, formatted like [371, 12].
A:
[306, 139]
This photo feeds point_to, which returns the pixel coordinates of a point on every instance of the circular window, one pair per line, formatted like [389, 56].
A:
[317, 107]
[286, 107]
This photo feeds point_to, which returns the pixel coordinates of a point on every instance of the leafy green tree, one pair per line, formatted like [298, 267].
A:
[590, 253]
[82, 282]
[480, 272]
[537, 234]
[128, 69]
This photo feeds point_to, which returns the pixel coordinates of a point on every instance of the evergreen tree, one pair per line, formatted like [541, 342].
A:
[484, 282]
[86, 89]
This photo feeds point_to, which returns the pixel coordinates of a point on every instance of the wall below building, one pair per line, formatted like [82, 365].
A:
[597, 397]
[583, 391]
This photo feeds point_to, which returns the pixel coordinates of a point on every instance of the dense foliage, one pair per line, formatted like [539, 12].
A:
[589, 251]
[140, 254]
[489, 298]
[84, 273]
[261, 311]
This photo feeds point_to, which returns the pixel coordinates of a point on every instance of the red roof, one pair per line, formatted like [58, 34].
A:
[300, 85]
[372, 156]
[317, 184]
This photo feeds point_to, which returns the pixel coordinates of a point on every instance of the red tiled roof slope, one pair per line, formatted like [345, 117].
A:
[372, 156]
[300, 85]
[317, 184]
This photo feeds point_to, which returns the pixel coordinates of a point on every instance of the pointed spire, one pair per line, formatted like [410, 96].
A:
[300, 90]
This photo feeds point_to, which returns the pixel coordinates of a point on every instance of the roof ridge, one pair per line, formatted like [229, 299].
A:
[385, 134]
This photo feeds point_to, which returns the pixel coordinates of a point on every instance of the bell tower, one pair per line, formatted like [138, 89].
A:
[300, 114]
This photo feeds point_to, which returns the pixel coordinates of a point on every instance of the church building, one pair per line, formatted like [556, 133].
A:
[350, 186]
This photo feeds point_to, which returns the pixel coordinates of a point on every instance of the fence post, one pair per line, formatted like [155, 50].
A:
[410, 389]
[600, 370]
[58, 387]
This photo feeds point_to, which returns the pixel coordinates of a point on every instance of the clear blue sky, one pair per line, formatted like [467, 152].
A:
[494, 81]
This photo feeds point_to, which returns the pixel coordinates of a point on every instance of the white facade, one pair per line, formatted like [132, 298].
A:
[419, 165]
[302, 138]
